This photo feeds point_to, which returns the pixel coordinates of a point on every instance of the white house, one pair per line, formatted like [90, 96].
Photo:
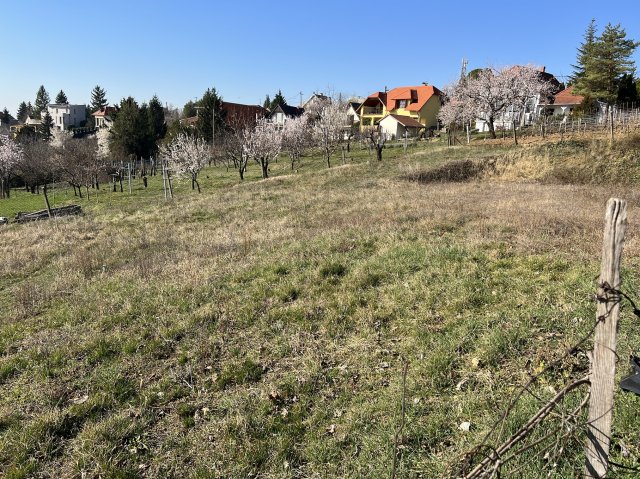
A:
[282, 113]
[352, 113]
[397, 126]
[67, 116]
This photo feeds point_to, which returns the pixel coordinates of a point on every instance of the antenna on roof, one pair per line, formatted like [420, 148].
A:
[386, 89]
[300, 99]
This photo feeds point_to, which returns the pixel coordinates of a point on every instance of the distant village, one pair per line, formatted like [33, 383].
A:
[402, 111]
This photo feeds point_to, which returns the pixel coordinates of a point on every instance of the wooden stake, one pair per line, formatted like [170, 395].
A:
[603, 365]
[611, 123]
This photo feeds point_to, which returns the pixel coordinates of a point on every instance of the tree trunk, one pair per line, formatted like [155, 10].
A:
[379, 152]
[327, 155]
[46, 200]
[264, 164]
[194, 181]
[492, 130]
[515, 133]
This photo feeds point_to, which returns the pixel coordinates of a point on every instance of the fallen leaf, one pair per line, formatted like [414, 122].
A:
[80, 400]
[465, 426]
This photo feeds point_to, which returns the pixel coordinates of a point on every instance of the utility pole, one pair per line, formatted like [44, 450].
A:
[213, 124]
[300, 99]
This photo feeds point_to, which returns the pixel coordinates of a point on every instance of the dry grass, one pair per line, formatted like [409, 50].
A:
[257, 330]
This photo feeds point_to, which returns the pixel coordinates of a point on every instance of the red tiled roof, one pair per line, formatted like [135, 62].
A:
[109, 110]
[567, 97]
[416, 96]
[406, 121]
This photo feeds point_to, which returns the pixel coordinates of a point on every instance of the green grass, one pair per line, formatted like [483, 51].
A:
[259, 329]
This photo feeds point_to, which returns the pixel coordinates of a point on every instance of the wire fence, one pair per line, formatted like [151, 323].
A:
[555, 433]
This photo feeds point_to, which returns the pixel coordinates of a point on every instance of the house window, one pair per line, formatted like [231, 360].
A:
[402, 103]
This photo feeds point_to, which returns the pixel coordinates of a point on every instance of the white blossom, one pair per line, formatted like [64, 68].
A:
[186, 156]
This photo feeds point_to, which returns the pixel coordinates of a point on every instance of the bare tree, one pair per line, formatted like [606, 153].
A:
[78, 163]
[263, 143]
[37, 167]
[296, 138]
[328, 127]
[233, 145]
[10, 157]
[187, 155]
[377, 139]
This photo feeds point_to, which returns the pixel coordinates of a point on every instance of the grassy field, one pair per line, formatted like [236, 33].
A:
[260, 329]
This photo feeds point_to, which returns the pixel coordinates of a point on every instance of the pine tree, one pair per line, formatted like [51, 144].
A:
[209, 103]
[22, 113]
[189, 110]
[98, 98]
[130, 133]
[585, 52]
[61, 98]
[156, 119]
[627, 91]
[278, 100]
[29, 109]
[5, 116]
[42, 102]
[606, 63]
[47, 126]
[267, 103]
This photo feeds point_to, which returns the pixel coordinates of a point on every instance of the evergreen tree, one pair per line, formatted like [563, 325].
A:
[61, 98]
[42, 101]
[267, 103]
[608, 60]
[189, 109]
[585, 53]
[209, 103]
[47, 126]
[278, 100]
[98, 98]
[5, 116]
[22, 113]
[156, 119]
[130, 133]
[29, 109]
[627, 91]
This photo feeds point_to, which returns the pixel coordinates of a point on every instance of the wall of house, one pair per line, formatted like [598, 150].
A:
[390, 127]
[67, 116]
[428, 115]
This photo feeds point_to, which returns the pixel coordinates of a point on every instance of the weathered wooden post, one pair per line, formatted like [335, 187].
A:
[603, 366]
[611, 123]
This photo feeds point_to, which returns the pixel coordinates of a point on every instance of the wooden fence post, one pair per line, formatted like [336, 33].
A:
[603, 366]
[611, 123]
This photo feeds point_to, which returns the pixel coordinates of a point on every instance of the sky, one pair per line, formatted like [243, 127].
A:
[247, 49]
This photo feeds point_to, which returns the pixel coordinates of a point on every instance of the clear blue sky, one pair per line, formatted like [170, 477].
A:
[246, 49]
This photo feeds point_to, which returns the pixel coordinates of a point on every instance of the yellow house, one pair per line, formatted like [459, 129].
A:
[421, 103]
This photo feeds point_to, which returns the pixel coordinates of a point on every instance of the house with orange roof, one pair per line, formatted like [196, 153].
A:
[418, 103]
[103, 118]
[564, 103]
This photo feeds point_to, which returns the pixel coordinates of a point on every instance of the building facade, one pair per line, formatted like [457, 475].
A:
[67, 116]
